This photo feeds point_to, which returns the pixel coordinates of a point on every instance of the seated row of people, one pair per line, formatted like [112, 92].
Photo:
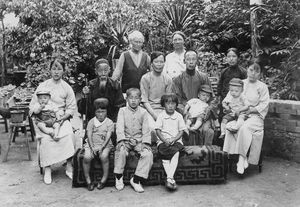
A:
[133, 134]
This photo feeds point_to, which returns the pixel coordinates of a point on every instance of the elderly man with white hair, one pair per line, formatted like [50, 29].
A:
[132, 64]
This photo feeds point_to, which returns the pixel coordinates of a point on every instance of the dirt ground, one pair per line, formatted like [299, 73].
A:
[22, 185]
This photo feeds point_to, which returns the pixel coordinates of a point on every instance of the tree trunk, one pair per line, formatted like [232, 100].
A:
[254, 43]
[2, 54]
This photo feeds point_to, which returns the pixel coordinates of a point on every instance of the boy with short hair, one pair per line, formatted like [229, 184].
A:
[194, 110]
[46, 114]
[133, 134]
[234, 104]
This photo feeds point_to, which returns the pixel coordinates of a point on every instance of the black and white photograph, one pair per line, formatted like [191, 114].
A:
[149, 103]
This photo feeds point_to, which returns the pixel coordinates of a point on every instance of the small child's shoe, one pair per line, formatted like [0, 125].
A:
[170, 184]
[174, 185]
[136, 186]
[100, 185]
[90, 186]
[119, 184]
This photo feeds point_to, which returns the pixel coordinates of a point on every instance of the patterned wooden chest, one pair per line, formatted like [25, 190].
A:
[206, 164]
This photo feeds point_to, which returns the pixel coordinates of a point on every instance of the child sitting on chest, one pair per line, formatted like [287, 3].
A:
[99, 144]
[169, 128]
[133, 134]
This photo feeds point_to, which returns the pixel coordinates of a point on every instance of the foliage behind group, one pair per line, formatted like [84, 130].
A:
[82, 31]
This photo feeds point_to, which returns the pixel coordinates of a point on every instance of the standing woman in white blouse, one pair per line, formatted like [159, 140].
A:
[174, 64]
[250, 136]
[54, 150]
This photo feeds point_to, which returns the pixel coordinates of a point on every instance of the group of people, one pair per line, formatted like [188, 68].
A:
[150, 99]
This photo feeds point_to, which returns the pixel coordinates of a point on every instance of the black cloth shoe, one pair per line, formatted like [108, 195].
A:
[174, 186]
[100, 185]
[90, 186]
[168, 185]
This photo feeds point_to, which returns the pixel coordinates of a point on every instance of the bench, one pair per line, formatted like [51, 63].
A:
[206, 164]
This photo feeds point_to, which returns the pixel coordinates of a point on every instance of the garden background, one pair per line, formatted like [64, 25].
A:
[82, 31]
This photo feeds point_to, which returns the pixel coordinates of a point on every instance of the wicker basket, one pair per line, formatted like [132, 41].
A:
[17, 116]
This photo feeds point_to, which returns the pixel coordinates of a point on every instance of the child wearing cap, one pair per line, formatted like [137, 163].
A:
[234, 104]
[99, 144]
[194, 110]
[46, 114]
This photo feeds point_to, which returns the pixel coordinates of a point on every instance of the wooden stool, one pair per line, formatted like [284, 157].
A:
[29, 127]
[4, 121]
[14, 127]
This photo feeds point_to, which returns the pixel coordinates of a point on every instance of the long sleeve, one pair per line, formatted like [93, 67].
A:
[119, 68]
[264, 99]
[144, 86]
[70, 102]
[177, 89]
[166, 66]
[119, 100]
[169, 86]
[146, 137]
[222, 91]
[120, 126]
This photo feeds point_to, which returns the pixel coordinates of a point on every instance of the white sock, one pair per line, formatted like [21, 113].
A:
[166, 164]
[173, 164]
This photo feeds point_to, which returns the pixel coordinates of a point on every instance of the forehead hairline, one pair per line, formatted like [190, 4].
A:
[204, 92]
[138, 39]
[99, 109]
[56, 64]
[178, 35]
[102, 66]
[190, 53]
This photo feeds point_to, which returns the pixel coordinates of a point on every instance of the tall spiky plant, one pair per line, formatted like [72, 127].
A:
[176, 17]
[119, 34]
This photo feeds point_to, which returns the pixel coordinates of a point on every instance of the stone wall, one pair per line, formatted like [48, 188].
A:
[282, 130]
